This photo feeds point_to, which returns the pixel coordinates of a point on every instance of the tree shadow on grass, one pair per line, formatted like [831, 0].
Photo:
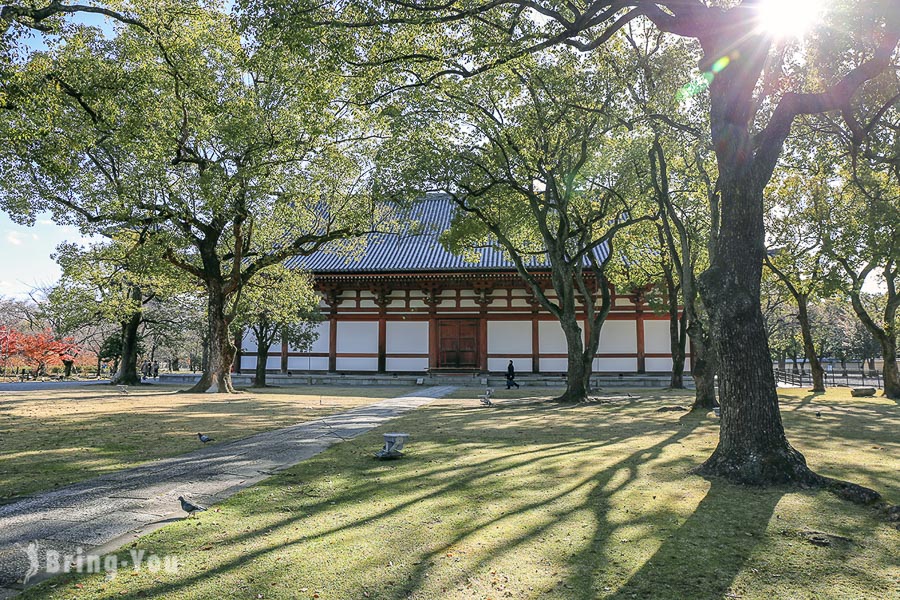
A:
[702, 558]
[451, 476]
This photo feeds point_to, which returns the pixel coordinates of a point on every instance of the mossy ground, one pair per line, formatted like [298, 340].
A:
[535, 500]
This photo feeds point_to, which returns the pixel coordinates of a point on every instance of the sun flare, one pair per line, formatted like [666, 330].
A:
[789, 18]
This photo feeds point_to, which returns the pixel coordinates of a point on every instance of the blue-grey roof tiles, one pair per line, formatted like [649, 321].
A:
[416, 248]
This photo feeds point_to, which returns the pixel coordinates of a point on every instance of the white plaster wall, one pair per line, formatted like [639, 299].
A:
[664, 365]
[356, 337]
[618, 336]
[406, 337]
[248, 363]
[552, 338]
[248, 344]
[520, 303]
[356, 364]
[447, 303]
[653, 365]
[397, 304]
[523, 365]
[615, 365]
[513, 337]
[656, 337]
[320, 344]
[554, 365]
[405, 364]
[363, 303]
[413, 303]
[307, 363]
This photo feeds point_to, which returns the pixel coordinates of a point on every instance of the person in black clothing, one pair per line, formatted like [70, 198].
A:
[511, 376]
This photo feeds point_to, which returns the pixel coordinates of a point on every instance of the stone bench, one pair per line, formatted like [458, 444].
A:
[862, 392]
[393, 444]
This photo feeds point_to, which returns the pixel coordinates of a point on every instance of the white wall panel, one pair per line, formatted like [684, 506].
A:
[405, 364]
[307, 363]
[552, 338]
[355, 337]
[248, 344]
[523, 365]
[406, 337]
[513, 337]
[320, 344]
[248, 363]
[554, 365]
[658, 365]
[356, 364]
[618, 336]
[656, 337]
[615, 365]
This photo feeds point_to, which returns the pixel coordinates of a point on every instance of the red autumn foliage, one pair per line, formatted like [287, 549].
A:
[43, 349]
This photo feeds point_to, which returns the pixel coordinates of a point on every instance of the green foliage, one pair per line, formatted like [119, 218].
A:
[280, 303]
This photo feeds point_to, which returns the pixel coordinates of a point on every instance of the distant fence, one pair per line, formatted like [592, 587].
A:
[832, 379]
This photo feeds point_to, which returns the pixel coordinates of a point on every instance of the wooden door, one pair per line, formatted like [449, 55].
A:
[457, 344]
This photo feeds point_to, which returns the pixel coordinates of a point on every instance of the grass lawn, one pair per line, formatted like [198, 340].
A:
[535, 500]
[58, 436]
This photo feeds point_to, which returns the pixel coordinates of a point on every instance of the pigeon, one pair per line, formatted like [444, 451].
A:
[188, 507]
[818, 414]
[205, 438]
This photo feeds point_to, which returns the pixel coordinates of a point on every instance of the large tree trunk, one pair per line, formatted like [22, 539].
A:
[262, 357]
[809, 347]
[677, 339]
[753, 448]
[578, 372]
[703, 369]
[216, 375]
[127, 373]
[890, 370]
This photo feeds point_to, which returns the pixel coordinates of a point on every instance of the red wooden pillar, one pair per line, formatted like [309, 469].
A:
[482, 342]
[332, 343]
[382, 344]
[432, 342]
[641, 361]
[284, 354]
[535, 344]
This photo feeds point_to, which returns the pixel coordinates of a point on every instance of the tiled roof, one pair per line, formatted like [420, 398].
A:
[415, 249]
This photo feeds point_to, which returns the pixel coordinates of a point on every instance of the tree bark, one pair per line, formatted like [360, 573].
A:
[809, 347]
[703, 369]
[577, 372]
[890, 371]
[753, 448]
[127, 373]
[216, 375]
